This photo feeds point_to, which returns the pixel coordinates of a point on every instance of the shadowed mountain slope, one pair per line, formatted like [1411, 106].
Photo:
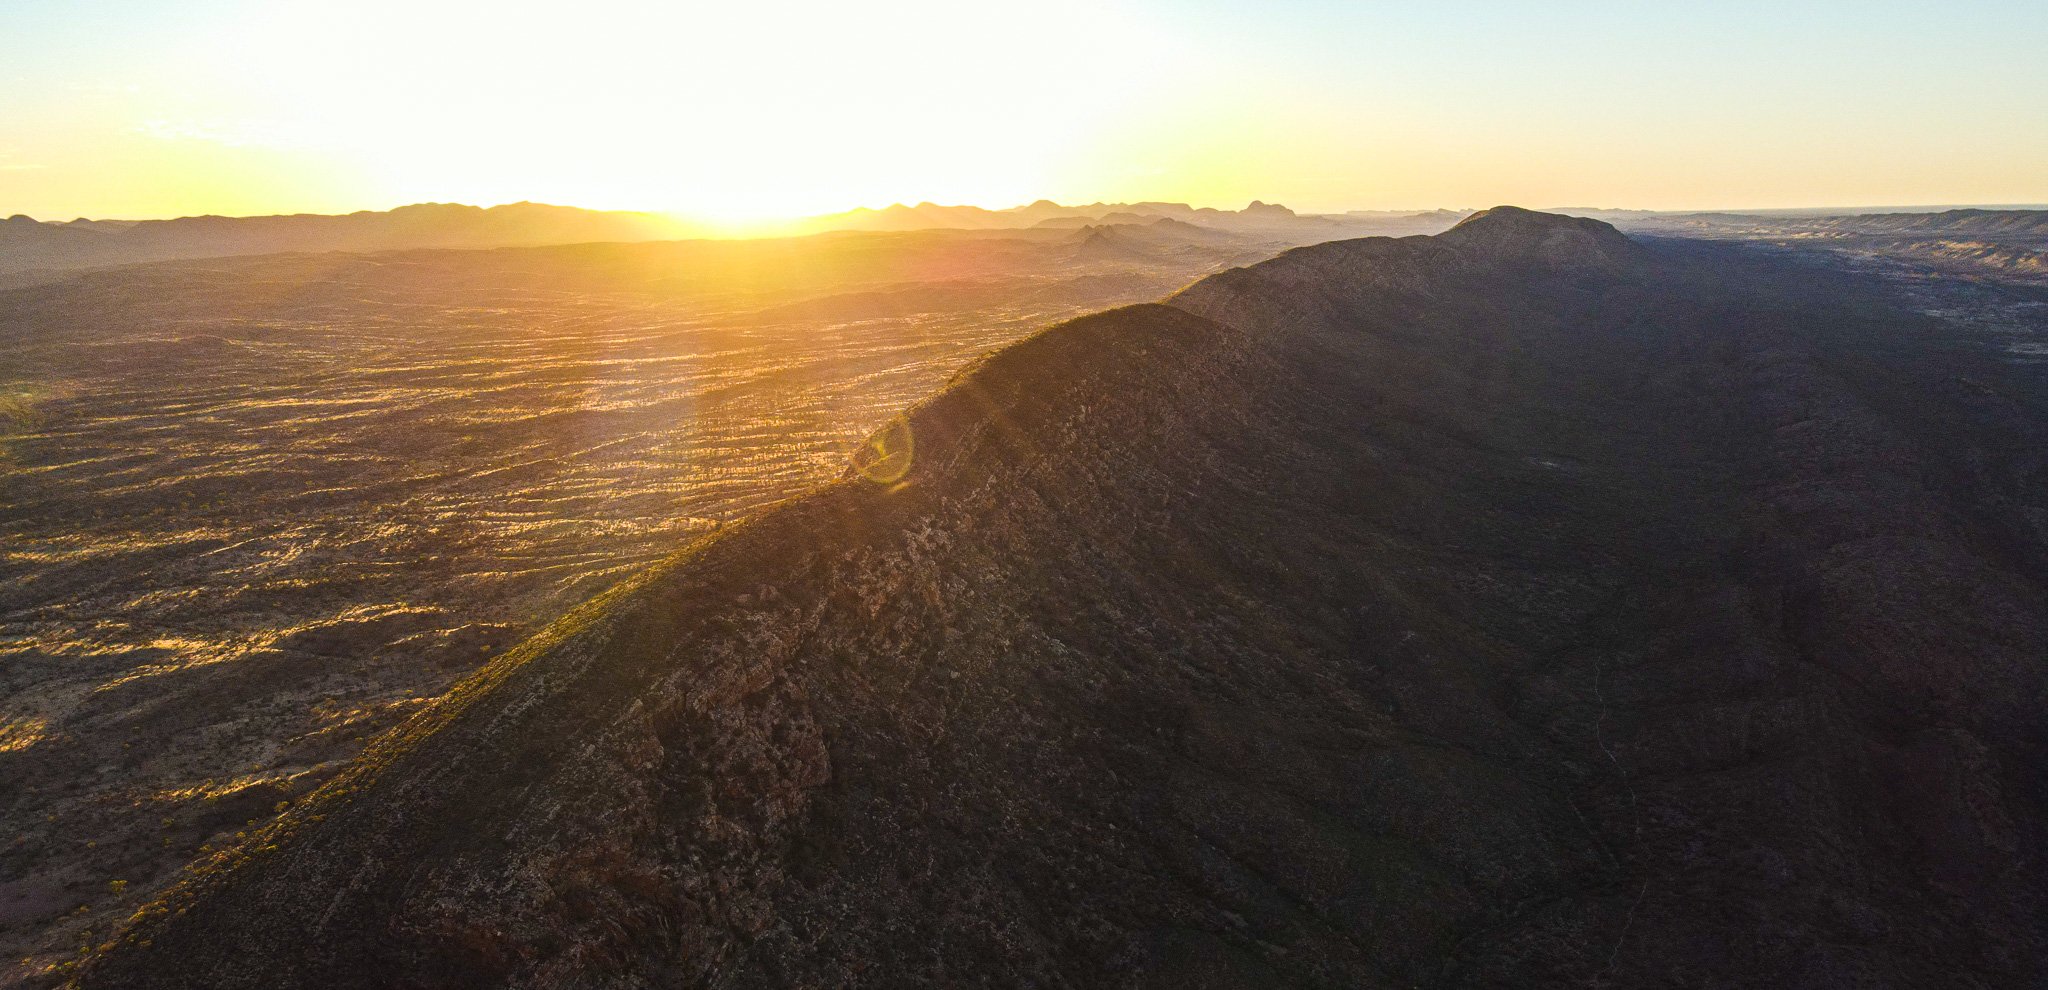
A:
[1518, 606]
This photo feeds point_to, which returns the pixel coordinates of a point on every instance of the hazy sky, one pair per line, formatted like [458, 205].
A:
[140, 108]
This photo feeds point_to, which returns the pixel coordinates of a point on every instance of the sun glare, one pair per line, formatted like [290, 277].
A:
[732, 114]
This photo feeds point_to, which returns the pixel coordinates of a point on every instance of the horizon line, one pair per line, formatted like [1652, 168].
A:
[710, 221]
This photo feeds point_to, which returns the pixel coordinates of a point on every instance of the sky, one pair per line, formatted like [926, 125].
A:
[742, 112]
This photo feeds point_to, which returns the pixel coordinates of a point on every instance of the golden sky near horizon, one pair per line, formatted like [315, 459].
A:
[739, 113]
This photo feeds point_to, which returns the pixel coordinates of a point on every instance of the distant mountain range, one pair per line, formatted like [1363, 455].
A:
[27, 244]
[30, 245]
[1045, 211]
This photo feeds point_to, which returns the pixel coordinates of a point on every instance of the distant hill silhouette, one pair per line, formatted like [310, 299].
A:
[1521, 606]
[26, 244]
[1255, 218]
[30, 248]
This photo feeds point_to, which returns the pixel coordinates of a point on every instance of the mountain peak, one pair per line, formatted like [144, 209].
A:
[1258, 209]
[1511, 233]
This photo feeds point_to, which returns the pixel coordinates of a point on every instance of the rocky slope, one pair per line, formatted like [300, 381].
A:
[1518, 606]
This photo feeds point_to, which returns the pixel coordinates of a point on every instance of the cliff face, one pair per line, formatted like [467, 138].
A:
[1511, 607]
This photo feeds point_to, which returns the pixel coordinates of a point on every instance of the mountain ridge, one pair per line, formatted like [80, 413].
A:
[1325, 625]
